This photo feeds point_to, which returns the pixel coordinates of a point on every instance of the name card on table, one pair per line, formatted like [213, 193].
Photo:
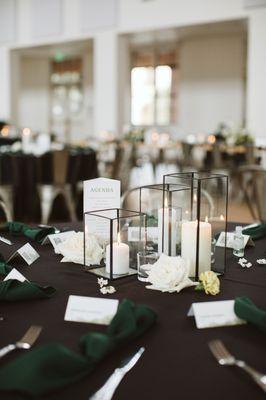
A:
[27, 253]
[90, 309]
[15, 274]
[230, 240]
[211, 314]
[57, 238]
[6, 241]
[100, 194]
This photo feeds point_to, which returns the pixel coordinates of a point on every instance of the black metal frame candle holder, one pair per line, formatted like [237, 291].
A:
[203, 198]
[164, 215]
[122, 233]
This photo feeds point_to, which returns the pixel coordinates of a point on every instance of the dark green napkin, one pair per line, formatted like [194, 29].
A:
[257, 232]
[53, 366]
[247, 310]
[18, 228]
[13, 290]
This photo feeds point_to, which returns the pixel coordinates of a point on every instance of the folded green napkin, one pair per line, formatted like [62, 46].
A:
[18, 228]
[247, 310]
[13, 290]
[53, 366]
[257, 232]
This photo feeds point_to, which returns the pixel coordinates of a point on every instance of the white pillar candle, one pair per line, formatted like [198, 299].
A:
[120, 257]
[170, 224]
[189, 242]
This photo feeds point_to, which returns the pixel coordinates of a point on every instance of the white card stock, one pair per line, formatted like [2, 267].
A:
[211, 314]
[27, 253]
[90, 309]
[15, 274]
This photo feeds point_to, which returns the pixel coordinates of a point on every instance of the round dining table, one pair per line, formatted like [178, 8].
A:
[177, 363]
[23, 172]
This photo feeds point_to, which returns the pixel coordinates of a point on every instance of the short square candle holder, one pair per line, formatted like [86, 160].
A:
[203, 198]
[121, 234]
[160, 203]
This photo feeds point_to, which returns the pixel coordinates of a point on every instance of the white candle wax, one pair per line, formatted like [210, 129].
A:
[120, 258]
[188, 245]
[170, 224]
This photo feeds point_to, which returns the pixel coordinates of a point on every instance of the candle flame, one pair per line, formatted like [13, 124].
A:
[165, 203]
[206, 219]
[118, 238]
[221, 217]
[26, 131]
[195, 197]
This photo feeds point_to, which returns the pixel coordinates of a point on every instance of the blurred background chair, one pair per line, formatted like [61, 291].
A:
[53, 181]
[6, 186]
[252, 183]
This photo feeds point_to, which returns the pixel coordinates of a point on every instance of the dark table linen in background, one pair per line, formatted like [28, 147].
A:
[177, 363]
[24, 171]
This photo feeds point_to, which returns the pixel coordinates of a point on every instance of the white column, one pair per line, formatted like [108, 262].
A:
[5, 84]
[256, 73]
[105, 75]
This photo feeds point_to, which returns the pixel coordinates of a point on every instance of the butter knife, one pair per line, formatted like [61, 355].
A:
[25, 342]
[106, 392]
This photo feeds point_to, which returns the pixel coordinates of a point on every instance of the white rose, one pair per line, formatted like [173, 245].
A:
[72, 249]
[169, 274]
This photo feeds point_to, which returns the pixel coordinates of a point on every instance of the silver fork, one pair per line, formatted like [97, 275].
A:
[223, 357]
[25, 342]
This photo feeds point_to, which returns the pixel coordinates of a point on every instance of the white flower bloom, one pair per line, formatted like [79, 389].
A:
[72, 249]
[107, 290]
[169, 274]
[102, 282]
[261, 261]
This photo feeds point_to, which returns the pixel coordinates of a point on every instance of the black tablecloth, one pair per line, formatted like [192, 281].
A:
[177, 363]
[24, 171]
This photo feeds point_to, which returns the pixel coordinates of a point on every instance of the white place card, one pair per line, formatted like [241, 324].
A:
[90, 309]
[15, 274]
[230, 240]
[57, 238]
[6, 241]
[27, 253]
[100, 194]
[211, 314]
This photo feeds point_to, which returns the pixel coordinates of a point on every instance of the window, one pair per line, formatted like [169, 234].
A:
[153, 94]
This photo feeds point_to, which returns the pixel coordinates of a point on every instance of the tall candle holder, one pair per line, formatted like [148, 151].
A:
[121, 234]
[163, 217]
[203, 198]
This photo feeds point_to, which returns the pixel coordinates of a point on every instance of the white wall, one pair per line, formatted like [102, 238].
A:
[256, 74]
[33, 106]
[211, 82]
[72, 20]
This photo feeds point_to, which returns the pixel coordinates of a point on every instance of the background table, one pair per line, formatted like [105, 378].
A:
[177, 363]
[24, 171]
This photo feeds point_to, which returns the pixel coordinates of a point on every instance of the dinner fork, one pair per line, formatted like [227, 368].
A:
[25, 342]
[223, 357]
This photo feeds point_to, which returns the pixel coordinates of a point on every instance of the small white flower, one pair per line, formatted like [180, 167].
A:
[107, 290]
[249, 265]
[261, 261]
[242, 260]
[102, 282]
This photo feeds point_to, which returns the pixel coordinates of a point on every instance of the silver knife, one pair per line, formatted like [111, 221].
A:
[25, 342]
[106, 392]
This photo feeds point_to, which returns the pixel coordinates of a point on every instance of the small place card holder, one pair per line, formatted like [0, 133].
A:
[57, 238]
[27, 253]
[227, 239]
